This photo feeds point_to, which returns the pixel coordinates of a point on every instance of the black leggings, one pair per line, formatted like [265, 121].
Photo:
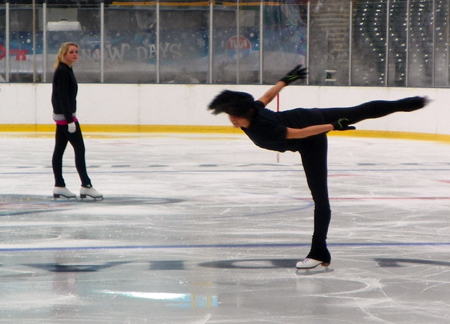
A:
[62, 137]
[314, 160]
[372, 109]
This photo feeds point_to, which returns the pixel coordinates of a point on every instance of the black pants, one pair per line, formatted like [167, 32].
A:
[314, 160]
[62, 137]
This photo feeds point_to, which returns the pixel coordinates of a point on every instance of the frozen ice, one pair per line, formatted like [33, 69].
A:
[208, 229]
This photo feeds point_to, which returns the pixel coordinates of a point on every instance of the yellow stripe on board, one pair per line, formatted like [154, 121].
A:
[26, 128]
[213, 130]
[125, 128]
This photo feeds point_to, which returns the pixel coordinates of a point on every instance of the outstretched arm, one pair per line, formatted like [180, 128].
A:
[340, 125]
[308, 131]
[272, 92]
[297, 73]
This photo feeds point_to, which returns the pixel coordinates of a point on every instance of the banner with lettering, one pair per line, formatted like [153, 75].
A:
[131, 56]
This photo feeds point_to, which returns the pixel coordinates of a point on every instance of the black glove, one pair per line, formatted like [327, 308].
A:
[342, 124]
[297, 73]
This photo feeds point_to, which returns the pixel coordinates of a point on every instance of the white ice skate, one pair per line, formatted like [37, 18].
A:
[63, 191]
[310, 264]
[91, 192]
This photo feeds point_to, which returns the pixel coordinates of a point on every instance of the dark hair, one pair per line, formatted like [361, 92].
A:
[234, 103]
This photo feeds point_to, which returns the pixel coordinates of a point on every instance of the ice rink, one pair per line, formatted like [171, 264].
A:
[208, 228]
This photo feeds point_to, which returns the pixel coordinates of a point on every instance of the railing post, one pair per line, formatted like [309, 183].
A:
[308, 23]
[433, 65]
[157, 42]
[33, 37]
[350, 42]
[7, 41]
[44, 42]
[238, 33]
[386, 61]
[408, 24]
[102, 42]
[211, 42]
[447, 60]
[261, 41]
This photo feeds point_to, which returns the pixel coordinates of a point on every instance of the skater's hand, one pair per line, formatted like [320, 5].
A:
[72, 127]
[297, 73]
[342, 125]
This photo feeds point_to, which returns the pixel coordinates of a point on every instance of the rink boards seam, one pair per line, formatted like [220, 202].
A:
[142, 129]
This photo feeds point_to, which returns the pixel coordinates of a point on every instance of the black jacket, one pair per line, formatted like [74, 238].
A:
[64, 93]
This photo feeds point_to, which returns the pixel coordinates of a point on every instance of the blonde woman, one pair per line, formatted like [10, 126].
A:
[68, 130]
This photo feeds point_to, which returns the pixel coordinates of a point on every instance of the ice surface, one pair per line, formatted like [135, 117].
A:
[208, 228]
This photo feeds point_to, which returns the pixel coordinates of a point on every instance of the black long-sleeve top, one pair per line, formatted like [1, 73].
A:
[64, 92]
[268, 128]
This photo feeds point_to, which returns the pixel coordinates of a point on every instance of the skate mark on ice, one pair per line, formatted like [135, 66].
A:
[59, 267]
[394, 263]
[12, 205]
[124, 200]
[251, 264]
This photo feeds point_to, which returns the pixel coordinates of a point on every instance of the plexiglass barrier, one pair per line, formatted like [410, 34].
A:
[358, 43]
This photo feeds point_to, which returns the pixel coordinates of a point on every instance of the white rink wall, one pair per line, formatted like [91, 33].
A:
[185, 105]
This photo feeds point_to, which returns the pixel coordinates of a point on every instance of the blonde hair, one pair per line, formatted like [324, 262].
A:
[62, 51]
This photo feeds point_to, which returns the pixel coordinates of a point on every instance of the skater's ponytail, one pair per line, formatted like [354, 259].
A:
[62, 51]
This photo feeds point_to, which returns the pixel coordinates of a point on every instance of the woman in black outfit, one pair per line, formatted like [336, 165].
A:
[64, 103]
[304, 131]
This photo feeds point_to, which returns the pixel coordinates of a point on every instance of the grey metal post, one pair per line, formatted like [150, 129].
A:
[308, 23]
[102, 42]
[350, 41]
[408, 24]
[261, 41]
[211, 41]
[386, 62]
[33, 15]
[157, 42]
[447, 63]
[238, 33]
[7, 63]
[433, 24]
[44, 42]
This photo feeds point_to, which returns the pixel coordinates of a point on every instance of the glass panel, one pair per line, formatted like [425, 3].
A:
[236, 57]
[421, 41]
[246, 46]
[441, 62]
[417, 57]
[82, 26]
[369, 42]
[329, 43]
[398, 43]
[225, 44]
[25, 54]
[285, 38]
[130, 43]
[184, 35]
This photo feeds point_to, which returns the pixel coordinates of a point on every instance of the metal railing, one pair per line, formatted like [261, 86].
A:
[357, 43]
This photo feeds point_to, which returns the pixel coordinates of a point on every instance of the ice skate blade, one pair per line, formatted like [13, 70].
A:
[313, 271]
[56, 196]
[95, 198]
